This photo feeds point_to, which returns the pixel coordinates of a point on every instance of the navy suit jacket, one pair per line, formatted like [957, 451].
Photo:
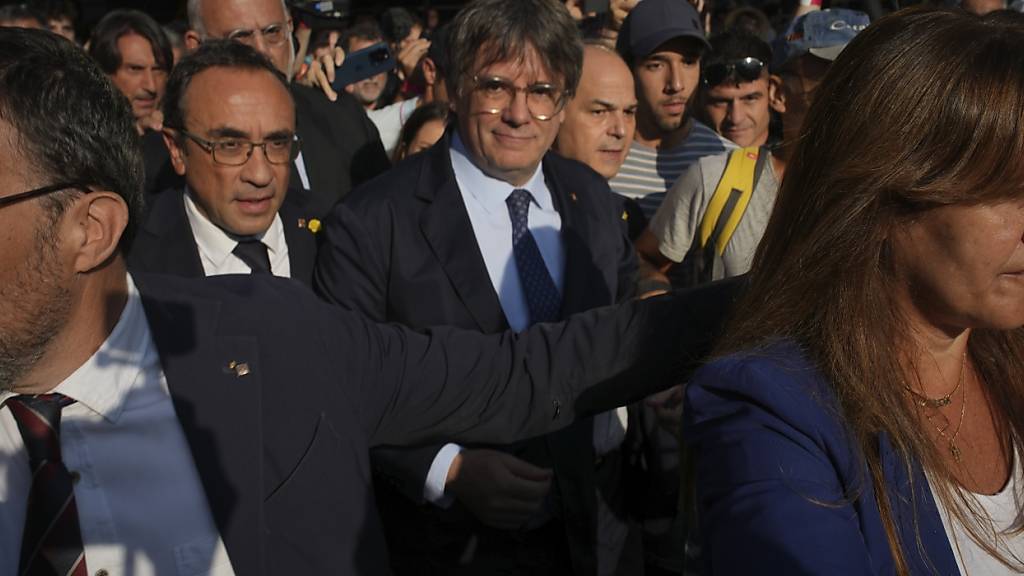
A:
[164, 243]
[782, 488]
[281, 447]
[402, 249]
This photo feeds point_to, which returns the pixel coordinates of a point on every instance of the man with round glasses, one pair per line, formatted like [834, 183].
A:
[488, 230]
[230, 129]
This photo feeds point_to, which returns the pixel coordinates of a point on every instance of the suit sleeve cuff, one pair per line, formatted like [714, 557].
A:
[433, 489]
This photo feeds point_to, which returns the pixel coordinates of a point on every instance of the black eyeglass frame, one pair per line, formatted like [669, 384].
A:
[210, 147]
[744, 69]
[21, 196]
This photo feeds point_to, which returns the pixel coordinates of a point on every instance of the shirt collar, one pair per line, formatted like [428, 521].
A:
[103, 382]
[217, 244]
[491, 192]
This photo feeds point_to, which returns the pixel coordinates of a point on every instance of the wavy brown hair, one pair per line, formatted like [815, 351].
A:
[924, 108]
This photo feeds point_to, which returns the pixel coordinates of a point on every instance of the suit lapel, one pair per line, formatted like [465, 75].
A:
[300, 239]
[219, 406]
[575, 232]
[916, 510]
[449, 233]
[173, 249]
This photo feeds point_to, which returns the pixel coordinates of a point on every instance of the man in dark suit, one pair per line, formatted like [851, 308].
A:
[230, 129]
[341, 147]
[155, 424]
[488, 231]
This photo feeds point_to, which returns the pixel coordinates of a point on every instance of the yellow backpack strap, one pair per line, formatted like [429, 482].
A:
[731, 197]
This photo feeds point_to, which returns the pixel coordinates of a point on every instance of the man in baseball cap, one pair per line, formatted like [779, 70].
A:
[663, 41]
[802, 56]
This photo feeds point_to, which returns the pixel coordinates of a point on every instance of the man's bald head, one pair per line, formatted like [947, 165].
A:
[263, 24]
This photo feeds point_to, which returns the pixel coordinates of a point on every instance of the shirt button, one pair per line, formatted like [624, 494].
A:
[102, 572]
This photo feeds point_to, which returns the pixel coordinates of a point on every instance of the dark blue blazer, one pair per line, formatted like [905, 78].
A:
[164, 244]
[781, 486]
[281, 446]
[402, 248]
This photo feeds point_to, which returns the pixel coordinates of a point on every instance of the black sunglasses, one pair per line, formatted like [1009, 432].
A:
[744, 70]
[15, 198]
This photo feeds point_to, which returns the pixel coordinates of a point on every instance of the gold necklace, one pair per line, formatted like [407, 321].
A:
[953, 448]
[926, 402]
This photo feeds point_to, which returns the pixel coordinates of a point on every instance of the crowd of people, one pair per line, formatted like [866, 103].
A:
[648, 290]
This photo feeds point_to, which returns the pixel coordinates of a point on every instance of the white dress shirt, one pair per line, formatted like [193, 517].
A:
[141, 506]
[216, 246]
[300, 167]
[484, 198]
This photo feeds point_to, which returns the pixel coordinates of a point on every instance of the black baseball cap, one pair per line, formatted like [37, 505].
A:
[651, 23]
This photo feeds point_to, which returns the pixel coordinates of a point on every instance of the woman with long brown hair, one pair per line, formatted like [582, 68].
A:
[866, 412]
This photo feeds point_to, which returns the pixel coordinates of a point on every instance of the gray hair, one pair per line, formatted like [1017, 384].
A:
[195, 21]
[500, 30]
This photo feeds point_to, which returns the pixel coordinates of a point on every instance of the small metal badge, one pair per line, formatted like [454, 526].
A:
[239, 368]
[572, 196]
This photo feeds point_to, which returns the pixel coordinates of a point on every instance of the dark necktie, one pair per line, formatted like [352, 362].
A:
[254, 254]
[52, 541]
[542, 297]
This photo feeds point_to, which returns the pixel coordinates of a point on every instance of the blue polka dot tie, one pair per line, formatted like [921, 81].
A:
[542, 297]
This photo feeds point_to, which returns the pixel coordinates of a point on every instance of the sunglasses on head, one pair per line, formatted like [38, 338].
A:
[744, 70]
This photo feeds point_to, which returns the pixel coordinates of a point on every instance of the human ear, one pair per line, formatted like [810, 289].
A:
[176, 151]
[98, 221]
[776, 94]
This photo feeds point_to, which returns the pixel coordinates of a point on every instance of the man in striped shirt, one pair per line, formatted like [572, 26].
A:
[663, 41]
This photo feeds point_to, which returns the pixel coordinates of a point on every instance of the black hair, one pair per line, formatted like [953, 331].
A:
[103, 43]
[72, 123]
[365, 30]
[736, 44]
[57, 9]
[15, 12]
[419, 118]
[396, 23]
[499, 30]
[211, 54]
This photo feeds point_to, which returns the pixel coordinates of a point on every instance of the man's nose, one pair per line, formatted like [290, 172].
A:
[517, 112]
[258, 171]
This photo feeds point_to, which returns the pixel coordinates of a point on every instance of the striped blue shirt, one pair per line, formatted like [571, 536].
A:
[648, 173]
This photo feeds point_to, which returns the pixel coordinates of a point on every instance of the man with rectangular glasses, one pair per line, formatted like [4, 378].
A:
[230, 128]
[341, 147]
[488, 230]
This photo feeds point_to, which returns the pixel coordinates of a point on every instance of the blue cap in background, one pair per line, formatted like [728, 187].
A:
[823, 33]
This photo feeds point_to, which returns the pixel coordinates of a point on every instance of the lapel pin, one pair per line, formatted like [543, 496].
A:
[625, 215]
[302, 222]
[572, 196]
[239, 368]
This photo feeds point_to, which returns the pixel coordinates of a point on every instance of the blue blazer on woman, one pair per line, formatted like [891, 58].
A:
[781, 486]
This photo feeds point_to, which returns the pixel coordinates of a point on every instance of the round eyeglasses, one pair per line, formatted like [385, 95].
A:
[543, 100]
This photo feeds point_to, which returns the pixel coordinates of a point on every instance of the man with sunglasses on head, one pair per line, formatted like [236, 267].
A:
[679, 231]
[663, 42]
[230, 128]
[341, 147]
[487, 230]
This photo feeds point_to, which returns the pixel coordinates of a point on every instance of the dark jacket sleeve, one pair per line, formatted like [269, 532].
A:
[446, 383]
[351, 270]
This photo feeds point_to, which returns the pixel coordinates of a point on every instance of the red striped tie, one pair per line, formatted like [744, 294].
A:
[52, 541]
